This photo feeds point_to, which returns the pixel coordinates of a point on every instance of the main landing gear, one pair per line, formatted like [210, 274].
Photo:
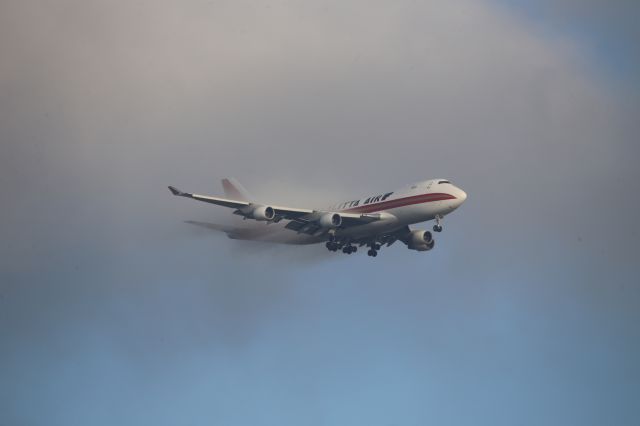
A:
[334, 245]
[373, 251]
[438, 226]
[346, 248]
[350, 248]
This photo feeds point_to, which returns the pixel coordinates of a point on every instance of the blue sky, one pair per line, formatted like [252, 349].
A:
[112, 310]
[606, 29]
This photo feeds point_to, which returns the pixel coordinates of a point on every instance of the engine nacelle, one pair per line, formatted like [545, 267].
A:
[264, 213]
[421, 241]
[330, 220]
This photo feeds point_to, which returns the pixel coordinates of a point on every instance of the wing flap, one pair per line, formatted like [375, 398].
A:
[295, 225]
[291, 213]
[353, 219]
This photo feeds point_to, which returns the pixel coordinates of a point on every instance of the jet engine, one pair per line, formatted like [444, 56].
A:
[420, 241]
[330, 220]
[264, 213]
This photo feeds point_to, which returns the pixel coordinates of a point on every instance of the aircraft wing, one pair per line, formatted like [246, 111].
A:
[213, 200]
[301, 220]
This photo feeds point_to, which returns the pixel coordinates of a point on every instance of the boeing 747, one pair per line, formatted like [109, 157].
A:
[372, 221]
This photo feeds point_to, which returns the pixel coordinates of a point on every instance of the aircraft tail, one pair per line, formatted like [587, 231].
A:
[235, 191]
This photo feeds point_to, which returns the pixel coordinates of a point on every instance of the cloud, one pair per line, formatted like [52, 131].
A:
[606, 32]
[105, 103]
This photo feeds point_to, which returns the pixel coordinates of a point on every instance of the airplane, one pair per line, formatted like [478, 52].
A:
[374, 221]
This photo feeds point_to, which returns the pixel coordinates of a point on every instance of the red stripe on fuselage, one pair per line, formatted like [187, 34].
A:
[400, 202]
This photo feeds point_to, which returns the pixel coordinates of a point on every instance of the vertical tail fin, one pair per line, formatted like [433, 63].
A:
[235, 191]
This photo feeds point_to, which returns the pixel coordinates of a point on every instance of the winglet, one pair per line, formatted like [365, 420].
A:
[176, 191]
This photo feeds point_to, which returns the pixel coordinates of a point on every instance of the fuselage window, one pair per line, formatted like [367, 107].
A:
[443, 181]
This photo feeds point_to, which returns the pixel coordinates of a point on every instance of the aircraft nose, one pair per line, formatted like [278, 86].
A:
[461, 196]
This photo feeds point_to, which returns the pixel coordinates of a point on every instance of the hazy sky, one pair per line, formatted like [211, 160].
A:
[114, 311]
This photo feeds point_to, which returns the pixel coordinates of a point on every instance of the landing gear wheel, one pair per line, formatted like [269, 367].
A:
[438, 226]
[332, 246]
[349, 249]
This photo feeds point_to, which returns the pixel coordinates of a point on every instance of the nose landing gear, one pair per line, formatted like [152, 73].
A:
[438, 226]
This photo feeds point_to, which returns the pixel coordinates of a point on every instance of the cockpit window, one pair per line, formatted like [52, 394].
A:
[443, 181]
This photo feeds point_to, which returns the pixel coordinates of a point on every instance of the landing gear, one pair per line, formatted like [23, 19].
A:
[438, 226]
[332, 246]
[347, 246]
[348, 249]
[373, 249]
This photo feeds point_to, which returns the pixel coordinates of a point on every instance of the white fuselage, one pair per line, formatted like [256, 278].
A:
[420, 202]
